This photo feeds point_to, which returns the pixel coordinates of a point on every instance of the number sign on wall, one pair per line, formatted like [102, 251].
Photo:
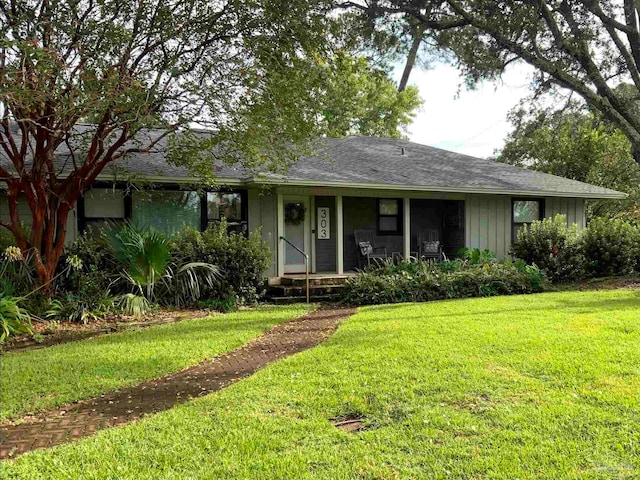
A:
[324, 224]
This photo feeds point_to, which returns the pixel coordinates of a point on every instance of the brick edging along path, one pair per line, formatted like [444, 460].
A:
[123, 406]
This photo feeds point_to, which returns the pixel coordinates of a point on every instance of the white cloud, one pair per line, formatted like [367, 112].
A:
[471, 122]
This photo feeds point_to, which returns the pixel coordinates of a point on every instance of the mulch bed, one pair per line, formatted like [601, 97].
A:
[126, 405]
[50, 333]
[607, 283]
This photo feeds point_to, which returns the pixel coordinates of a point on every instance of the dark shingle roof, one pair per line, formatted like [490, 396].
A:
[380, 161]
[371, 162]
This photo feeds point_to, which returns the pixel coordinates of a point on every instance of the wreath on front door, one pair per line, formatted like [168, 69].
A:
[294, 213]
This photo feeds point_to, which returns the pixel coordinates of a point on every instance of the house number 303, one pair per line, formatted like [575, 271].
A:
[324, 223]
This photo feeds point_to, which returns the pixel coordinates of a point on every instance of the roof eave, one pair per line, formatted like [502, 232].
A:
[424, 188]
[373, 186]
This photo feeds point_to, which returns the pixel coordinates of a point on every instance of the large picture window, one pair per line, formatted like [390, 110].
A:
[524, 212]
[168, 211]
[389, 216]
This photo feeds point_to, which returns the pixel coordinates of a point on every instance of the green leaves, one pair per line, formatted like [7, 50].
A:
[359, 99]
[578, 145]
[153, 276]
[146, 251]
[14, 320]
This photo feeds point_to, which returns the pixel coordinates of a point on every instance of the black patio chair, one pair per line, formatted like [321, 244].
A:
[368, 250]
[429, 245]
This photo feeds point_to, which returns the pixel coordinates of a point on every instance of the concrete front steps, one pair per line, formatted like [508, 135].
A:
[292, 288]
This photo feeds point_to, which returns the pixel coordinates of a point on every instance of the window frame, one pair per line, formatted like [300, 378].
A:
[398, 216]
[541, 212]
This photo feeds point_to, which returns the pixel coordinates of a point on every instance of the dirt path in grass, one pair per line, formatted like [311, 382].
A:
[123, 406]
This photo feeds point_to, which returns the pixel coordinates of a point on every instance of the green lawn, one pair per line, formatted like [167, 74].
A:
[542, 386]
[40, 379]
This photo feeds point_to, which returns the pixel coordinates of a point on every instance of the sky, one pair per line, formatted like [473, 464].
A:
[471, 122]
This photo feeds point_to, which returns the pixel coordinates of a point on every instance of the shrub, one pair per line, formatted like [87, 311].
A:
[6, 239]
[76, 307]
[475, 256]
[151, 273]
[427, 281]
[610, 246]
[242, 260]
[14, 320]
[88, 273]
[17, 274]
[553, 247]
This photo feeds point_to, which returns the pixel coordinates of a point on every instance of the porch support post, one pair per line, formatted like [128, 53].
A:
[280, 233]
[407, 228]
[339, 235]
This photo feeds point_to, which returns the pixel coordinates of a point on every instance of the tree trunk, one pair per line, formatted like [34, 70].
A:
[45, 243]
[635, 150]
[418, 32]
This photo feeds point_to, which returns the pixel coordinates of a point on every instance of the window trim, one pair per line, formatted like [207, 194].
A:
[399, 216]
[541, 212]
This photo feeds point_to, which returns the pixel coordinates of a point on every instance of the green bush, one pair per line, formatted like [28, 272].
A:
[14, 320]
[423, 281]
[152, 277]
[475, 256]
[89, 271]
[242, 260]
[6, 239]
[553, 247]
[17, 275]
[610, 246]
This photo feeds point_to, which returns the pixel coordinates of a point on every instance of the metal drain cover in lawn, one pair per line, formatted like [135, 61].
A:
[350, 425]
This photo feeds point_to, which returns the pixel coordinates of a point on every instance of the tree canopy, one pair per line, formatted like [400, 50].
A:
[577, 144]
[359, 99]
[584, 46]
[252, 73]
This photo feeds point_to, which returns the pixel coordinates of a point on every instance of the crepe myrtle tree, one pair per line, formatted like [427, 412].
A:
[582, 46]
[81, 82]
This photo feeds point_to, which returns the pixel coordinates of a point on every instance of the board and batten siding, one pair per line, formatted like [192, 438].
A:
[262, 213]
[488, 219]
[573, 208]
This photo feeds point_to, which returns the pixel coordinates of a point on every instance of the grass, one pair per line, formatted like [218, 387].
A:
[36, 380]
[541, 386]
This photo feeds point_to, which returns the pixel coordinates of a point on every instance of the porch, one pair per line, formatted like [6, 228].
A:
[322, 229]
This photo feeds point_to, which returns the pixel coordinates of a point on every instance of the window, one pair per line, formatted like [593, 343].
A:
[389, 216]
[100, 207]
[168, 211]
[524, 212]
[229, 205]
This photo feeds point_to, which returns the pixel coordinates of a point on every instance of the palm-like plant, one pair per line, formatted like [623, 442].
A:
[151, 273]
[146, 252]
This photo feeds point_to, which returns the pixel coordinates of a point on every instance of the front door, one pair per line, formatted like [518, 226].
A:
[297, 229]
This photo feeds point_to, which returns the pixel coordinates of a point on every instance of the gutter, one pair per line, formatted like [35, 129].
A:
[375, 186]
